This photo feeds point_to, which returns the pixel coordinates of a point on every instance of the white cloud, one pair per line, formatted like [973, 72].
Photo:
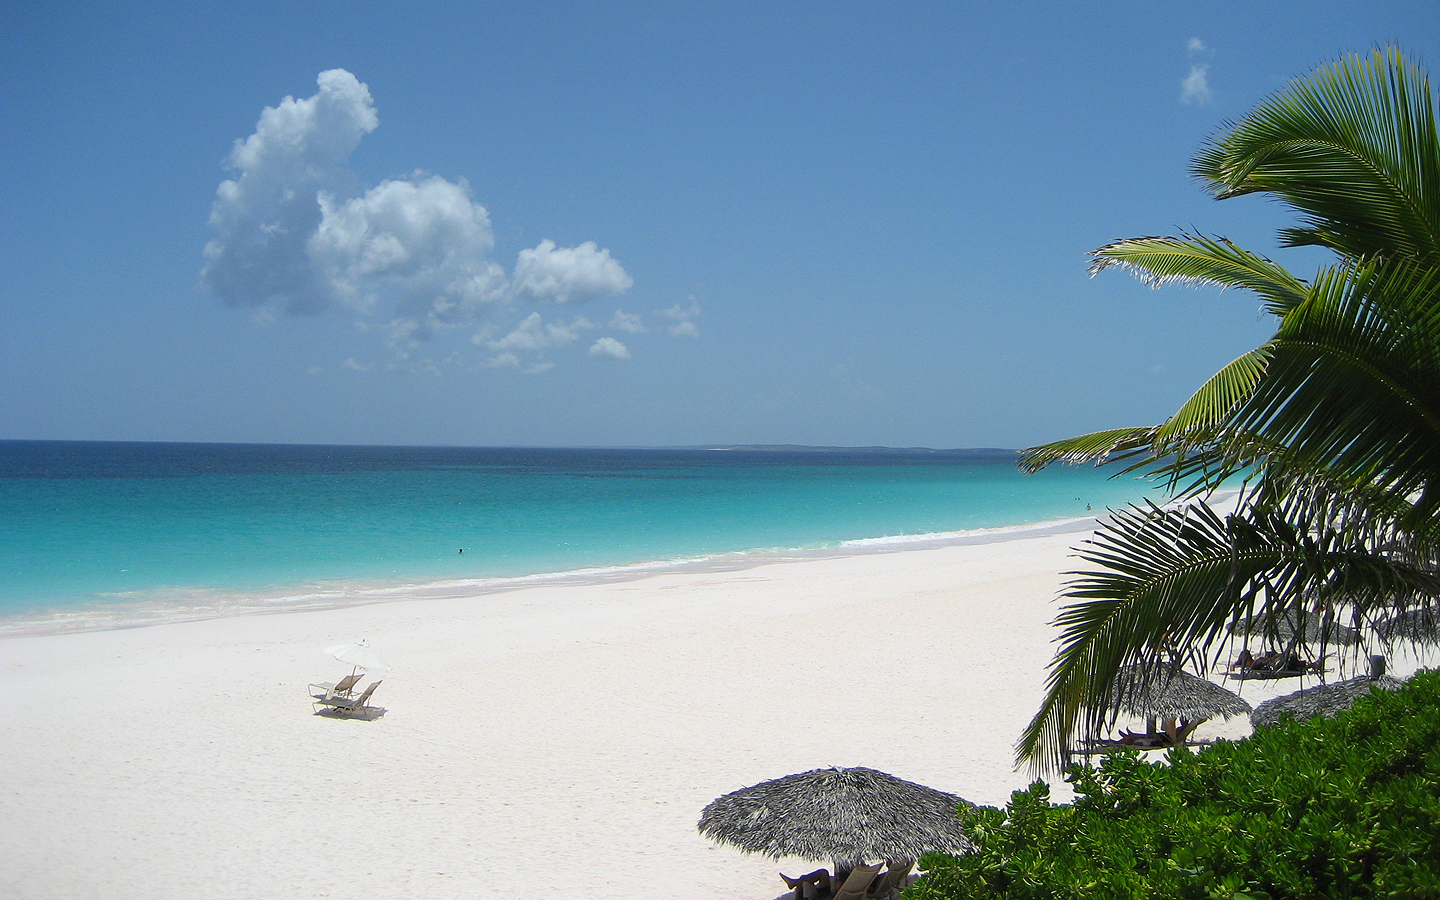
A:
[682, 315]
[1195, 88]
[291, 231]
[627, 322]
[422, 243]
[1196, 45]
[404, 336]
[263, 217]
[511, 361]
[608, 346]
[560, 273]
[534, 334]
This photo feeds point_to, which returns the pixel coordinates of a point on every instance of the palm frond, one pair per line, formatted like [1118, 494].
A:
[1195, 259]
[1352, 381]
[1216, 400]
[1334, 422]
[1102, 446]
[1163, 578]
[1353, 146]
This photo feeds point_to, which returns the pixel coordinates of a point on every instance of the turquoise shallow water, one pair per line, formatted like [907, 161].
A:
[93, 532]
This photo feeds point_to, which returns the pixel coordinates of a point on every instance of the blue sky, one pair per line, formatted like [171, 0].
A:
[624, 224]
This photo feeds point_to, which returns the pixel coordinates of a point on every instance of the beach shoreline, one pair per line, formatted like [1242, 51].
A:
[196, 603]
[558, 738]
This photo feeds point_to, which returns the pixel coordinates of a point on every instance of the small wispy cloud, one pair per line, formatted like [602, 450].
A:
[1195, 86]
[623, 321]
[511, 361]
[533, 334]
[608, 346]
[683, 317]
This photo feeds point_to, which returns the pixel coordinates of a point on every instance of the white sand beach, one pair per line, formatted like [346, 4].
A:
[557, 740]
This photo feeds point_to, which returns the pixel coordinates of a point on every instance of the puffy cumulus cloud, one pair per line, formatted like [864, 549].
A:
[1195, 45]
[608, 346]
[291, 232]
[307, 138]
[263, 218]
[421, 243]
[683, 316]
[561, 273]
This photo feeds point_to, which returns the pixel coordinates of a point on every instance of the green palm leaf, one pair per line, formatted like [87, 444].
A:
[1352, 381]
[1102, 446]
[1194, 259]
[1353, 147]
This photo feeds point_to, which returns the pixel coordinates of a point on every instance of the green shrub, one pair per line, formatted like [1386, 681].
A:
[1331, 808]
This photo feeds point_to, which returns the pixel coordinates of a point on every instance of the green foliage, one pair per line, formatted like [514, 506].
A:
[1331, 808]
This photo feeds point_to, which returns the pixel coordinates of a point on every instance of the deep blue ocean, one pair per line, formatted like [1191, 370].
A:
[108, 534]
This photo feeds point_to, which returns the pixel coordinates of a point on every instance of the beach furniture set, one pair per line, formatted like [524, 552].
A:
[860, 883]
[1274, 664]
[339, 699]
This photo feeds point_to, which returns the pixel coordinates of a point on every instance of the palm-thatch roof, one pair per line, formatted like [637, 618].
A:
[1414, 626]
[846, 815]
[1157, 693]
[1322, 700]
[1309, 627]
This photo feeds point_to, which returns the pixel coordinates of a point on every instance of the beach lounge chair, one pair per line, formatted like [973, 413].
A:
[341, 688]
[1280, 666]
[352, 707]
[813, 886]
[857, 884]
[893, 881]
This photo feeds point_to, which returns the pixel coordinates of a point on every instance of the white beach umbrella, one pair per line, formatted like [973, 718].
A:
[360, 655]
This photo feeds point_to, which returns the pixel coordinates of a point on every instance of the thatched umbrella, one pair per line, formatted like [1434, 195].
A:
[1171, 695]
[1415, 626]
[845, 815]
[1322, 700]
[1312, 628]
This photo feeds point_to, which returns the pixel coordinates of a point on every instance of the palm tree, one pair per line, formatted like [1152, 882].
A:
[1333, 424]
